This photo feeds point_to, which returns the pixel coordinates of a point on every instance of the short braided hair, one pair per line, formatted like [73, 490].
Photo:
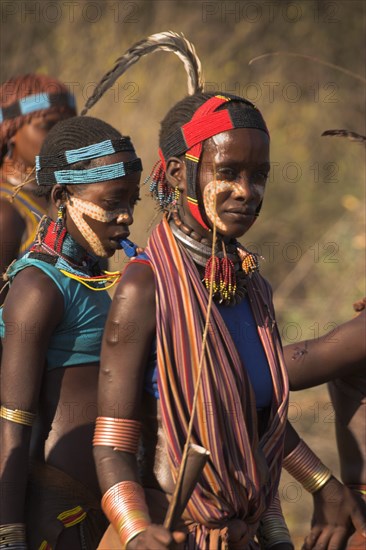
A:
[73, 133]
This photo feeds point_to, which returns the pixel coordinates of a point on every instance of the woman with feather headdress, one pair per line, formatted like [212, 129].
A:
[191, 352]
[161, 361]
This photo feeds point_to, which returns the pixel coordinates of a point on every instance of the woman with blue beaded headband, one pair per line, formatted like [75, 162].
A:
[196, 372]
[52, 323]
[30, 105]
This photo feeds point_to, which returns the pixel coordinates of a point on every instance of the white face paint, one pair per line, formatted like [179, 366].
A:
[77, 207]
[210, 193]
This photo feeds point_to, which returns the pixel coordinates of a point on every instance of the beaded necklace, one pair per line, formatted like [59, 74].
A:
[57, 247]
[232, 265]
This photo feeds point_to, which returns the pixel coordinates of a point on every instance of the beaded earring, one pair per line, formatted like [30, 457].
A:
[160, 189]
[176, 195]
[60, 223]
[249, 261]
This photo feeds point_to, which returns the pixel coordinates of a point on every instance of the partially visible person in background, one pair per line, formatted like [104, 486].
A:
[30, 105]
[339, 358]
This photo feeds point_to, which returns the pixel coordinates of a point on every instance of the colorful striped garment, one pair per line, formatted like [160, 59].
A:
[242, 475]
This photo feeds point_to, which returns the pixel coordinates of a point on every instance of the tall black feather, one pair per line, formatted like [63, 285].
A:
[353, 136]
[166, 41]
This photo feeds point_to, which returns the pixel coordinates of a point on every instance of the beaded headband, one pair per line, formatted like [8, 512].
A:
[94, 151]
[36, 102]
[91, 175]
[205, 123]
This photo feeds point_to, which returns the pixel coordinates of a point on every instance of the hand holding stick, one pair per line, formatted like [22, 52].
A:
[196, 459]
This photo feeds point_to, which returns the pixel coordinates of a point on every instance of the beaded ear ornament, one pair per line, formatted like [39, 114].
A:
[249, 261]
[159, 188]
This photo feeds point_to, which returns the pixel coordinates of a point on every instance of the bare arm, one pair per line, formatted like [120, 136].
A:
[128, 335]
[336, 510]
[339, 353]
[33, 308]
[127, 340]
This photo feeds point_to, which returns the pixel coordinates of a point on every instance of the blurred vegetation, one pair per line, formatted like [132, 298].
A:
[311, 228]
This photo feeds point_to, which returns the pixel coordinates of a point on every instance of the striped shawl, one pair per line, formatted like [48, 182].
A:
[242, 475]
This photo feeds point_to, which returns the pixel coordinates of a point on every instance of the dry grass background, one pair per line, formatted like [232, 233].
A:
[311, 229]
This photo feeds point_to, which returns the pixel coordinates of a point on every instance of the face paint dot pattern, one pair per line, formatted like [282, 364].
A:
[214, 188]
[77, 207]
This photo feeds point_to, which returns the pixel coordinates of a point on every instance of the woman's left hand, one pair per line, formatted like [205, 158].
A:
[337, 513]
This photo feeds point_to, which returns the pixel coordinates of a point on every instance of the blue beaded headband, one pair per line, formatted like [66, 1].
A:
[36, 102]
[100, 173]
[94, 151]
[91, 175]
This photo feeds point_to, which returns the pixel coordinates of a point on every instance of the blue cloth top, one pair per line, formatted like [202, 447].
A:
[77, 339]
[241, 325]
[240, 322]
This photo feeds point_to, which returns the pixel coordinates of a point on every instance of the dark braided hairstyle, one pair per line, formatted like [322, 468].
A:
[74, 133]
[23, 86]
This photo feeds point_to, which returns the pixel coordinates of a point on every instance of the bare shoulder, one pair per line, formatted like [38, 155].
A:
[133, 304]
[139, 278]
[34, 295]
[137, 286]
